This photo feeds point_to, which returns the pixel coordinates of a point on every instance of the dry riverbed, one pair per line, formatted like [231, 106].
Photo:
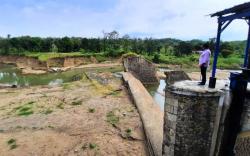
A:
[93, 116]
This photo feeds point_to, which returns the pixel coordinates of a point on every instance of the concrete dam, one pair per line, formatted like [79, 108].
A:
[195, 118]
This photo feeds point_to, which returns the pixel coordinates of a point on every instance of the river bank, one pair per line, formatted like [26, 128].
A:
[85, 117]
[33, 65]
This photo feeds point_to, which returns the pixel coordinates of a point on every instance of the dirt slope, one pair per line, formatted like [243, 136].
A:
[79, 118]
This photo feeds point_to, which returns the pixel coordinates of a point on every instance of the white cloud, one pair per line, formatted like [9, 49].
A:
[183, 19]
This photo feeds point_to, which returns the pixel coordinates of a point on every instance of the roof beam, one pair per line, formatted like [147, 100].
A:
[234, 16]
[225, 26]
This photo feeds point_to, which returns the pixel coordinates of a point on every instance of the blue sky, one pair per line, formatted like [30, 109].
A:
[182, 19]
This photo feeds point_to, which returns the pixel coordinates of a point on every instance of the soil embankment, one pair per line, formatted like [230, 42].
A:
[31, 65]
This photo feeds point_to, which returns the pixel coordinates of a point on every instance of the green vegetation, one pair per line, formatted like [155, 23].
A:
[93, 146]
[47, 56]
[12, 143]
[128, 132]
[25, 110]
[52, 127]
[47, 111]
[163, 51]
[112, 118]
[60, 106]
[91, 110]
[75, 103]
[66, 86]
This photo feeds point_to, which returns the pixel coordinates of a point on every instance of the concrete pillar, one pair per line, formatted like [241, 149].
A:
[192, 119]
[246, 115]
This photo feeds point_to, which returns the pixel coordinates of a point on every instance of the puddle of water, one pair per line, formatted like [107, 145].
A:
[158, 93]
[10, 75]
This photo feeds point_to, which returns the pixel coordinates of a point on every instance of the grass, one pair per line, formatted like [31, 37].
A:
[191, 61]
[112, 118]
[128, 132]
[52, 127]
[25, 110]
[91, 110]
[66, 86]
[12, 143]
[75, 103]
[229, 63]
[45, 56]
[60, 106]
[50, 55]
[47, 111]
[116, 93]
[103, 89]
[93, 146]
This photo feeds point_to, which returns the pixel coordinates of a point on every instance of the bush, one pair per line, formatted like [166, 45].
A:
[156, 58]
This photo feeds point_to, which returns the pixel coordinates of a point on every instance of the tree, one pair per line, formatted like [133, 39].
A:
[54, 48]
[226, 49]
[183, 48]
[65, 45]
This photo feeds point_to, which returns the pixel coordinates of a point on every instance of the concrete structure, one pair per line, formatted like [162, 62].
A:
[192, 119]
[142, 69]
[173, 76]
[242, 145]
[150, 113]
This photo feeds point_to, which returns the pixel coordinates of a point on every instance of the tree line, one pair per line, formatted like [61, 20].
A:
[112, 45]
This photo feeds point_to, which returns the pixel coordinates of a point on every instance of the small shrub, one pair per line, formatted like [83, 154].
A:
[92, 146]
[60, 106]
[91, 110]
[156, 58]
[51, 127]
[47, 111]
[128, 132]
[12, 143]
[112, 118]
[25, 109]
[75, 103]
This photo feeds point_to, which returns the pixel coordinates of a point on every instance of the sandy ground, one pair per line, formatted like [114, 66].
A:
[196, 76]
[220, 75]
[79, 118]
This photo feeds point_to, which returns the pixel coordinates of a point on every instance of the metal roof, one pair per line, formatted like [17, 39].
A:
[234, 10]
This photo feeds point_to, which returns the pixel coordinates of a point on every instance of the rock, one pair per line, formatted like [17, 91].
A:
[31, 71]
[55, 69]
[2, 86]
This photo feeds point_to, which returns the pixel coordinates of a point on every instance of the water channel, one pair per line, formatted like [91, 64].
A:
[11, 75]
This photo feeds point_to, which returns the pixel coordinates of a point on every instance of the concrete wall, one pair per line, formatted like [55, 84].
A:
[246, 116]
[176, 75]
[191, 119]
[142, 69]
[242, 145]
[150, 113]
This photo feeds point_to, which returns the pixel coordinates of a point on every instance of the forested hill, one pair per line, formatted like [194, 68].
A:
[111, 45]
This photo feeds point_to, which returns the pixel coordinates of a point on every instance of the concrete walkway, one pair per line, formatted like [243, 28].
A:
[150, 113]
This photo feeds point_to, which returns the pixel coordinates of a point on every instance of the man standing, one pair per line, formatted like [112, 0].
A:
[204, 61]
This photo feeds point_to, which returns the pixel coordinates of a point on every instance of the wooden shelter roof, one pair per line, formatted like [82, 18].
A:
[234, 10]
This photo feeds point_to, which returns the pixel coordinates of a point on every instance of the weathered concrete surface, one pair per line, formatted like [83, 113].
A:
[142, 69]
[242, 146]
[192, 119]
[151, 115]
[174, 76]
[246, 115]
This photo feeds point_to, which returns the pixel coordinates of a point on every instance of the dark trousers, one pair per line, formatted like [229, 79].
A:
[203, 73]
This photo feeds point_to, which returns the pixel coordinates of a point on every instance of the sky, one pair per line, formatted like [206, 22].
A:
[181, 19]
